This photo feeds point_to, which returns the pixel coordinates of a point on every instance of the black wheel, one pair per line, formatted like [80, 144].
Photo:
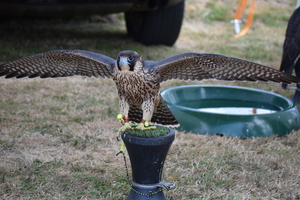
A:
[155, 27]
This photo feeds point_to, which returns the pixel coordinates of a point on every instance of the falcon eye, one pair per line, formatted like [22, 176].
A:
[130, 59]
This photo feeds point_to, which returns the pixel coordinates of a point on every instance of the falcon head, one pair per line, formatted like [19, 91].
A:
[129, 61]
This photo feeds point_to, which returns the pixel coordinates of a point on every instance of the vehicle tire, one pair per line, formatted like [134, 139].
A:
[161, 26]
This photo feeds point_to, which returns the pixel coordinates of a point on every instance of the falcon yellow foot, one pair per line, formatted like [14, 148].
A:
[124, 128]
[144, 125]
[126, 124]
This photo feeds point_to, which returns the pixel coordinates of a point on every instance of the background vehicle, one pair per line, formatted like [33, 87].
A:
[147, 21]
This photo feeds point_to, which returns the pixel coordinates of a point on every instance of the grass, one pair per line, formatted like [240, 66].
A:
[159, 131]
[58, 136]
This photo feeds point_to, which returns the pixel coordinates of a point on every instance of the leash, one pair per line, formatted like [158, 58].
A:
[238, 15]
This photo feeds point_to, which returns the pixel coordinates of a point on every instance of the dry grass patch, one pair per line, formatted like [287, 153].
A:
[232, 168]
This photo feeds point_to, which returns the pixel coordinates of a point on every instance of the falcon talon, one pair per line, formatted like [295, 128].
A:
[133, 126]
[124, 128]
[137, 80]
[141, 126]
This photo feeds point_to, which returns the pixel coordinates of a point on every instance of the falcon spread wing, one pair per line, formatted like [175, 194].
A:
[192, 66]
[60, 63]
[138, 81]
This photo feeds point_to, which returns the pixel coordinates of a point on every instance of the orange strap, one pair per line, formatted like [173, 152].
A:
[240, 9]
[126, 119]
[249, 20]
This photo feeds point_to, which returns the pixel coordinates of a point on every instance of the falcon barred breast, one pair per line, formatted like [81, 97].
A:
[138, 81]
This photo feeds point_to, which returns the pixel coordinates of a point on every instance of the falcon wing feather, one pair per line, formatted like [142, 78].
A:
[60, 63]
[192, 66]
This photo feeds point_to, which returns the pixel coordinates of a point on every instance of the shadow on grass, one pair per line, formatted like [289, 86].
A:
[23, 36]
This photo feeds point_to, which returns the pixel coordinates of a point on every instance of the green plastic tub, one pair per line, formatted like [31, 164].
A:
[231, 111]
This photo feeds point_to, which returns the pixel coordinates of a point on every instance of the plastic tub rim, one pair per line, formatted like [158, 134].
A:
[290, 103]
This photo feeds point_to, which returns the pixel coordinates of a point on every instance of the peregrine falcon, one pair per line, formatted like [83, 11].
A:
[291, 50]
[138, 81]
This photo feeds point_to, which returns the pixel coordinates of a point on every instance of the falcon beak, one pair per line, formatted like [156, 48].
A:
[123, 63]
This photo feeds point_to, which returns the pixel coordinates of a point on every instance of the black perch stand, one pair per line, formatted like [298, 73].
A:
[147, 157]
